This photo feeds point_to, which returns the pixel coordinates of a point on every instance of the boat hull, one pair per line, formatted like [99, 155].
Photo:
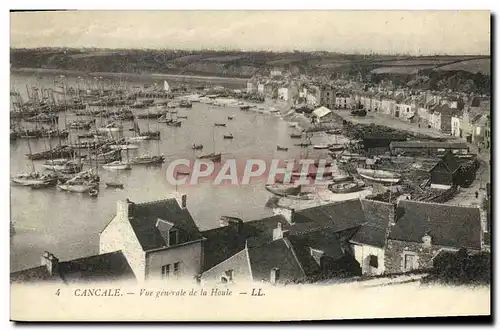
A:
[284, 190]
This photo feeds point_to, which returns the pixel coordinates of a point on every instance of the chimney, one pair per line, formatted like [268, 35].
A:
[279, 233]
[50, 262]
[275, 275]
[427, 240]
[124, 208]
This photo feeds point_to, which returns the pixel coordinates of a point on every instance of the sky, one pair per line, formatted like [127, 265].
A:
[384, 32]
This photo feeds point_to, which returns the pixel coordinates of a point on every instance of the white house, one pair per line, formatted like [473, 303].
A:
[456, 125]
[322, 114]
[159, 239]
[284, 93]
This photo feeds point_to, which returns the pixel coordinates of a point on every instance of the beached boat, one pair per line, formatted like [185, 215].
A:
[77, 187]
[112, 127]
[320, 146]
[228, 136]
[220, 124]
[348, 187]
[117, 165]
[215, 157]
[303, 144]
[284, 189]
[33, 178]
[174, 123]
[93, 193]
[148, 159]
[334, 131]
[197, 147]
[335, 147]
[114, 185]
[279, 148]
[379, 176]
[185, 104]
[341, 178]
[182, 117]
[164, 119]
[244, 107]
[230, 117]
[296, 135]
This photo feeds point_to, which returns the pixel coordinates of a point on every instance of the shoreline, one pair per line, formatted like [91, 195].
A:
[151, 75]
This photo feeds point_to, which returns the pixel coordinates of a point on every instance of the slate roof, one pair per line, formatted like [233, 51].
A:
[428, 144]
[224, 242]
[335, 216]
[374, 231]
[448, 225]
[275, 254]
[447, 163]
[104, 267]
[143, 218]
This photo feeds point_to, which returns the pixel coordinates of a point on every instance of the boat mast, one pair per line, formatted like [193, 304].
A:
[31, 155]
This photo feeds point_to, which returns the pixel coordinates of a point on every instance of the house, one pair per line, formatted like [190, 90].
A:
[369, 241]
[479, 124]
[407, 109]
[107, 267]
[327, 96]
[456, 124]
[445, 173]
[251, 86]
[322, 114]
[430, 148]
[387, 105]
[441, 119]
[307, 244]
[159, 239]
[343, 101]
[422, 230]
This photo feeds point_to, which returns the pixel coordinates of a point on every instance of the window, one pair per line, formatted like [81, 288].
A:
[410, 262]
[165, 271]
[173, 237]
[227, 276]
[176, 268]
[373, 261]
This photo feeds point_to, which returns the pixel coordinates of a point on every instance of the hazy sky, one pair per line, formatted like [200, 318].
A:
[436, 32]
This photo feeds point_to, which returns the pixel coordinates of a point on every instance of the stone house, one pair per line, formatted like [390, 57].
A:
[159, 239]
[423, 230]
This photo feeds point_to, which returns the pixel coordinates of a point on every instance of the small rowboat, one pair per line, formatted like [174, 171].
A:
[345, 187]
[230, 117]
[117, 165]
[197, 147]
[184, 117]
[114, 185]
[335, 148]
[220, 124]
[228, 136]
[279, 148]
[320, 146]
[296, 135]
[303, 144]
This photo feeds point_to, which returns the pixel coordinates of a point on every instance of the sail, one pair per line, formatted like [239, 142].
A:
[166, 87]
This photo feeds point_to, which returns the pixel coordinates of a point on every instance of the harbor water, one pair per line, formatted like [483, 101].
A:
[68, 224]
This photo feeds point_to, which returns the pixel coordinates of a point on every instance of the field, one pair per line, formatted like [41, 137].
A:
[237, 63]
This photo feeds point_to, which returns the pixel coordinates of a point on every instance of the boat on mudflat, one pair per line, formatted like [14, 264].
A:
[296, 135]
[112, 127]
[379, 176]
[320, 146]
[347, 187]
[279, 148]
[77, 187]
[197, 147]
[114, 185]
[341, 178]
[148, 159]
[33, 178]
[228, 136]
[335, 147]
[220, 124]
[212, 156]
[117, 165]
[284, 189]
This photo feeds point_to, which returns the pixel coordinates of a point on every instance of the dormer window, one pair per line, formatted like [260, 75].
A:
[173, 237]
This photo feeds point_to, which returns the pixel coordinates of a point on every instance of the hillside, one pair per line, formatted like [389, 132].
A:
[246, 64]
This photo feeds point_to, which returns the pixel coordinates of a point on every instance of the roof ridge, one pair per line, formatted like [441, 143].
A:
[439, 204]
[153, 202]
